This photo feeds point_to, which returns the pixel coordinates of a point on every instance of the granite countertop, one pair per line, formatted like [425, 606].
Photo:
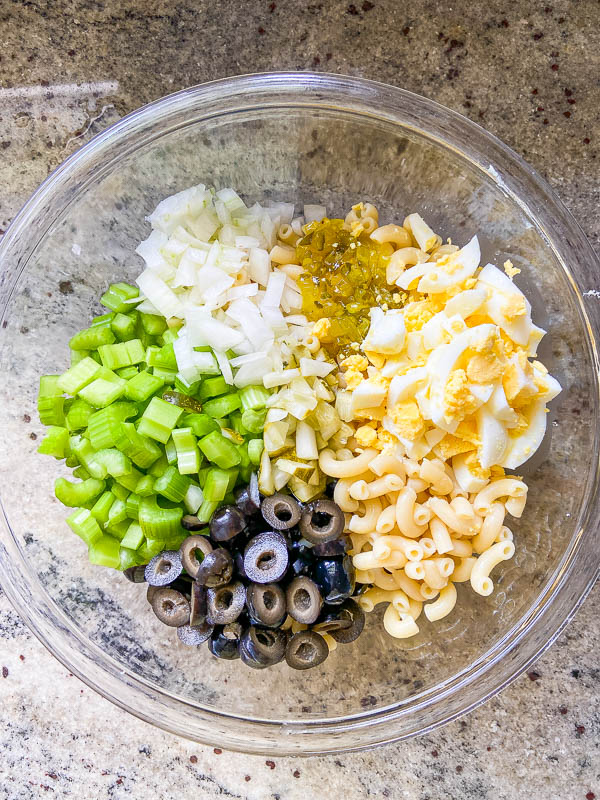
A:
[527, 72]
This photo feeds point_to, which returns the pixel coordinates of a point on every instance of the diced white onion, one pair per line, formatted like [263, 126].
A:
[306, 442]
[273, 379]
[311, 367]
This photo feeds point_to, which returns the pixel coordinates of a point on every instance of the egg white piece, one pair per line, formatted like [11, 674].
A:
[493, 437]
[411, 275]
[466, 302]
[498, 406]
[502, 290]
[386, 333]
[553, 387]
[404, 386]
[465, 477]
[521, 448]
[463, 264]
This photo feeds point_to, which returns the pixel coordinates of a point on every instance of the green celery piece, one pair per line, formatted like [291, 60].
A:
[78, 355]
[82, 449]
[118, 529]
[78, 415]
[254, 397]
[212, 387]
[78, 376]
[50, 401]
[255, 448]
[117, 513]
[188, 455]
[159, 419]
[129, 558]
[77, 494]
[171, 451]
[142, 386]
[165, 358]
[201, 424]
[127, 373]
[116, 296]
[153, 324]
[245, 473]
[186, 388]
[102, 506]
[159, 466]
[56, 442]
[158, 523]
[206, 510]
[131, 480]
[223, 406]
[123, 326]
[175, 542]
[84, 525]
[122, 354]
[193, 498]
[150, 548]
[81, 473]
[105, 552]
[133, 505]
[253, 420]
[114, 461]
[92, 338]
[151, 353]
[104, 426]
[134, 537]
[172, 485]
[216, 484]
[219, 450]
[140, 449]
[145, 486]
[101, 392]
[169, 336]
[167, 375]
[120, 491]
[103, 319]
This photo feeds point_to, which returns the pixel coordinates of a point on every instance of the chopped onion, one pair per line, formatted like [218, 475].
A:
[160, 295]
[273, 379]
[259, 265]
[312, 367]
[275, 287]
[224, 366]
[306, 442]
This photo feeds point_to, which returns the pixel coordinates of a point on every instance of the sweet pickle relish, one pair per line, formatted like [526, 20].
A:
[343, 278]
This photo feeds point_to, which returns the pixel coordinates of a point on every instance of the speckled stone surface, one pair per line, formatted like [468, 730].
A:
[529, 73]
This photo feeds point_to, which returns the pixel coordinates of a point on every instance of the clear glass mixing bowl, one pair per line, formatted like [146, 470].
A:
[308, 138]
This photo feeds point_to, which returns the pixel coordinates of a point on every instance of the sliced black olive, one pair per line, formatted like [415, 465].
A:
[346, 635]
[281, 511]
[194, 635]
[198, 604]
[216, 568]
[336, 547]
[150, 592]
[135, 574]
[262, 647]
[306, 649]
[224, 641]
[225, 603]
[164, 568]
[170, 607]
[226, 522]
[335, 578]
[303, 600]
[248, 498]
[321, 521]
[189, 553]
[238, 562]
[301, 561]
[266, 558]
[332, 618]
[192, 523]
[266, 604]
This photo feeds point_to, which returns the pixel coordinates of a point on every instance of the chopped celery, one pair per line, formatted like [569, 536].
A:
[153, 324]
[117, 295]
[133, 505]
[159, 466]
[206, 510]
[150, 548]
[117, 513]
[103, 319]
[127, 373]
[50, 401]
[212, 387]
[78, 376]
[81, 473]
[254, 397]
[84, 525]
[188, 455]
[131, 480]
[104, 426]
[140, 449]
[56, 442]
[79, 355]
[201, 424]
[253, 420]
[105, 552]
[114, 461]
[123, 326]
[255, 448]
[193, 498]
[216, 484]
[219, 450]
[92, 338]
[157, 522]
[142, 385]
[172, 485]
[167, 375]
[159, 419]
[129, 558]
[169, 336]
[171, 451]
[102, 506]
[120, 491]
[222, 406]
[186, 388]
[134, 537]
[151, 352]
[117, 529]
[145, 486]
[101, 392]
[122, 354]
[165, 357]
[77, 494]
[78, 415]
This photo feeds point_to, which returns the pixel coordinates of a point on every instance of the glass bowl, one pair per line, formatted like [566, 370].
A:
[320, 139]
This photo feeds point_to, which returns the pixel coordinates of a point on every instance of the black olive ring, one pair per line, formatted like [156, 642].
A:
[322, 521]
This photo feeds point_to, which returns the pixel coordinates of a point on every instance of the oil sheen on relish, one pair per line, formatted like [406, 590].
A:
[343, 278]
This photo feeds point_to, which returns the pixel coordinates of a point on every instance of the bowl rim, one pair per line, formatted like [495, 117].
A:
[366, 729]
